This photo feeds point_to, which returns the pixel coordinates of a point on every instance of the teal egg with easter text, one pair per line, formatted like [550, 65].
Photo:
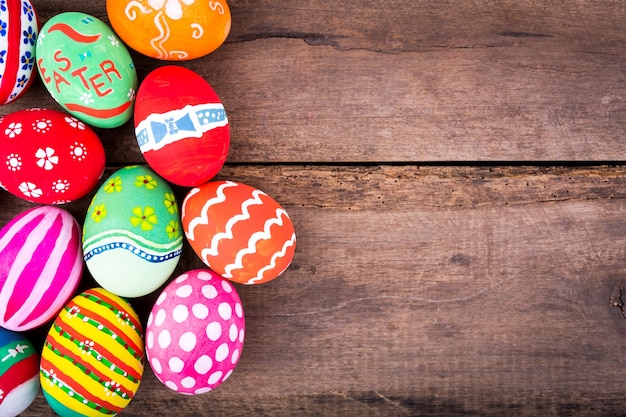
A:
[87, 69]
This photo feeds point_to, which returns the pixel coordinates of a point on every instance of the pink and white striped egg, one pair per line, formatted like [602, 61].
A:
[40, 266]
[195, 332]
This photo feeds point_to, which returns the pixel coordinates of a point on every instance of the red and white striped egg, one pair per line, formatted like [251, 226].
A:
[19, 26]
[239, 231]
[48, 156]
[195, 332]
[40, 266]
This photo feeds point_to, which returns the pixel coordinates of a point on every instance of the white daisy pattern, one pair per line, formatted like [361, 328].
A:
[75, 123]
[42, 125]
[14, 162]
[78, 151]
[14, 129]
[46, 158]
[30, 189]
[86, 98]
[60, 186]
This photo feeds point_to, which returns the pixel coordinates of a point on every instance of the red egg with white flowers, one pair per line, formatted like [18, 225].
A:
[240, 232]
[181, 126]
[48, 156]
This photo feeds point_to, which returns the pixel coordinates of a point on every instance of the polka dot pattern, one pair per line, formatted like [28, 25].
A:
[195, 332]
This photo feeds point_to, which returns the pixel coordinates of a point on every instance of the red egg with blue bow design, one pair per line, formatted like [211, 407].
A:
[181, 126]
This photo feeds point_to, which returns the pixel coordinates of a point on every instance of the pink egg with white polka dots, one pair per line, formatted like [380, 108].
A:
[195, 332]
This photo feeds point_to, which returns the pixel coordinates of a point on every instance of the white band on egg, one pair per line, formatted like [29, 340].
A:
[159, 130]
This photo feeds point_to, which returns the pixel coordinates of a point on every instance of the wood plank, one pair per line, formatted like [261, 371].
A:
[400, 26]
[490, 82]
[429, 291]
[417, 290]
[539, 100]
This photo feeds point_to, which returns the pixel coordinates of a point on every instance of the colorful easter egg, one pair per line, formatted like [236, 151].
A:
[48, 156]
[181, 126]
[92, 359]
[132, 239]
[40, 266]
[19, 373]
[195, 332]
[238, 231]
[171, 30]
[19, 25]
[87, 69]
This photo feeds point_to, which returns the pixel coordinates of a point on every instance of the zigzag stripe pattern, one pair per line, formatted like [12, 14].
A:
[120, 235]
[134, 250]
[242, 233]
[254, 239]
[203, 218]
[228, 234]
[272, 264]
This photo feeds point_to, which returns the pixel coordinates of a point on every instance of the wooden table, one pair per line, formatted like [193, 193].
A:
[454, 173]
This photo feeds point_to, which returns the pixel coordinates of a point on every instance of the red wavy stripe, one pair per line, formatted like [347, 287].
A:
[101, 114]
[101, 402]
[71, 33]
[76, 359]
[100, 349]
[128, 342]
[108, 300]
[12, 58]
[19, 373]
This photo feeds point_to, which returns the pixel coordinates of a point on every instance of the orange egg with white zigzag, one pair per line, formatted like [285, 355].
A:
[238, 231]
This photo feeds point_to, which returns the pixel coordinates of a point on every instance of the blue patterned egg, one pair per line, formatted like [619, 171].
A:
[132, 238]
[18, 33]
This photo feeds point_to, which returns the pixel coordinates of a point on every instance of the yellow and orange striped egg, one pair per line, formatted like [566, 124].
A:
[239, 231]
[93, 357]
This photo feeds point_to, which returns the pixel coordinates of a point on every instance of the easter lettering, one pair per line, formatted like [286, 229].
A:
[87, 69]
[106, 68]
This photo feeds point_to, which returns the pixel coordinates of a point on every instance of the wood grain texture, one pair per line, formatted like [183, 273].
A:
[410, 82]
[423, 282]
[427, 291]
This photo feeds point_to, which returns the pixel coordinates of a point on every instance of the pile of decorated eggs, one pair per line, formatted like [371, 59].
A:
[92, 360]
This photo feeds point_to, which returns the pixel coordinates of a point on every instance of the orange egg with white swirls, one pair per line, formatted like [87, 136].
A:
[239, 231]
[171, 30]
